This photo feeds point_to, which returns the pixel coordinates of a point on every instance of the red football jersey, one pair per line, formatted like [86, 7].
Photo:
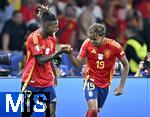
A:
[101, 60]
[41, 75]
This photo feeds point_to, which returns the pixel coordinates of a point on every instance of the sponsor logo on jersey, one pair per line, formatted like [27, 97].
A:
[93, 51]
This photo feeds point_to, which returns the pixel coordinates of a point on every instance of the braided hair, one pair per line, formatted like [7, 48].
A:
[45, 15]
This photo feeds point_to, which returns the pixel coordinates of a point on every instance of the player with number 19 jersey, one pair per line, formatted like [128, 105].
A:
[101, 60]
[40, 75]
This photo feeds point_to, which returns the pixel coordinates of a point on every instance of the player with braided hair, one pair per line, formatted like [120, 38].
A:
[101, 53]
[39, 74]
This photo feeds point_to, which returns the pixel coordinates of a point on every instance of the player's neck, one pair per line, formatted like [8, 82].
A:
[102, 42]
[44, 35]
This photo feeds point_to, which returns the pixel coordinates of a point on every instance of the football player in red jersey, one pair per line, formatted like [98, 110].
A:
[39, 74]
[101, 53]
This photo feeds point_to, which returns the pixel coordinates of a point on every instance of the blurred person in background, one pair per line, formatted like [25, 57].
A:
[136, 47]
[144, 67]
[28, 10]
[115, 19]
[67, 33]
[14, 32]
[6, 11]
[111, 15]
[144, 7]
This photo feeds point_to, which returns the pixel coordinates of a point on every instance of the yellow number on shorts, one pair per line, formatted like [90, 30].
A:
[100, 64]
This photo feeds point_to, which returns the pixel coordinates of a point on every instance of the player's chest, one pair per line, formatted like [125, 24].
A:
[48, 46]
[101, 54]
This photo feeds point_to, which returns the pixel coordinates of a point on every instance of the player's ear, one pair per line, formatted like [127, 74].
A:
[102, 30]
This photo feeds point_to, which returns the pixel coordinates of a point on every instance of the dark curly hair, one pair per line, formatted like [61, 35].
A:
[45, 15]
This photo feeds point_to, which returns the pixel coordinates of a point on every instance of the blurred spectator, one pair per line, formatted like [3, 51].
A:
[111, 19]
[136, 47]
[115, 18]
[144, 67]
[6, 11]
[67, 26]
[144, 7]
[28, 10]
[32, 25]
[13, 33]
[85, 20]
[77, 8]
[98, 14]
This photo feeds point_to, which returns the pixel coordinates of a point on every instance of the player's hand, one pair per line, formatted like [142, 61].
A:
[66, 49]
[118, 91]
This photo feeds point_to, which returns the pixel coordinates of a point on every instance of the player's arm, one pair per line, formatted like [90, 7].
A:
[44, 59]
[125, 71]
[124, 61]
[54, 71]
[77, 61]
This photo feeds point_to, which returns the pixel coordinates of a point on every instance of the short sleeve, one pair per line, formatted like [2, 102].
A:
[33, 45]
[83, 50]
[119, 50]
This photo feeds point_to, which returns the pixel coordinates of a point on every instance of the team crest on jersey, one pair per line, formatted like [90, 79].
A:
[107, 53]
[100, 57]
[37, 48]
[47, 51]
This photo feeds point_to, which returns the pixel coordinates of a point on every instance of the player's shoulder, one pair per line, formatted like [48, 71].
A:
[111, 42]
[34, 37]
[53, 37]
[86, 42]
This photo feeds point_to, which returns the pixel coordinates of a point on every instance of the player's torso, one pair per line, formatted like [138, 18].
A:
[42, 75]
[101, 61]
